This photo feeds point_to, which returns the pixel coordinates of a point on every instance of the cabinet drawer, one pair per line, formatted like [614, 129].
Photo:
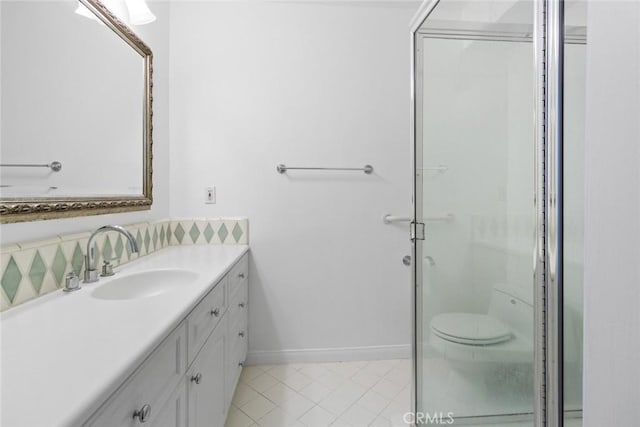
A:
[238, 274]
[150, 385]
[238, 333]
[235, 363]
[239, 302]
[204, 318]
[237, 353]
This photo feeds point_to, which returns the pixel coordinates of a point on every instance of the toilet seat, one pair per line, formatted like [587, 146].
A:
[470, 328]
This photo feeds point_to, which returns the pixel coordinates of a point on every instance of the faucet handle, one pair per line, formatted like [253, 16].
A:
[107, 267]
[71, 282]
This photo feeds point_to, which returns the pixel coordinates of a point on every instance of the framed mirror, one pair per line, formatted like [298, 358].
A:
[76, 112]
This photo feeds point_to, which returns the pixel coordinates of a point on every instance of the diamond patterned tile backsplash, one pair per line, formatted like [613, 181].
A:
[29, 270]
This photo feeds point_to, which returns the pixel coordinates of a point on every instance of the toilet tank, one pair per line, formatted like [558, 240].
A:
[513, 306]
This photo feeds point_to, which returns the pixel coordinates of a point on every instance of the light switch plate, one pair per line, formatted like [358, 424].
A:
[210, 195]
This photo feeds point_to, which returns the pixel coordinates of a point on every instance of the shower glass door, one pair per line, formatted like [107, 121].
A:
[575, 64]
[474, 182]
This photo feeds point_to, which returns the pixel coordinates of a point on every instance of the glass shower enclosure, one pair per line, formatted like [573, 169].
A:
[484, 213]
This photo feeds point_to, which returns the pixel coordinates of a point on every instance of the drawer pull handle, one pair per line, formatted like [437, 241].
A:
[143, 414]
[241, 334]
[196, 378]
[241, 275]
[241, 305]
[241, 364]
[215, 312]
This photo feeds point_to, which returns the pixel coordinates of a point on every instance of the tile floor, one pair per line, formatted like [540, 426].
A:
[345, 394]
[572, 422]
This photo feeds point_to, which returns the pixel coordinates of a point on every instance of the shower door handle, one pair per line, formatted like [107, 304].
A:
[406, 260]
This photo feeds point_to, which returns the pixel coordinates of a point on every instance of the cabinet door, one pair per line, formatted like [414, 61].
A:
[174, 411]
[206, 382]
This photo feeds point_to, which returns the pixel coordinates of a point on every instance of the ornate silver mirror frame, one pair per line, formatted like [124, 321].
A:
[31, 209]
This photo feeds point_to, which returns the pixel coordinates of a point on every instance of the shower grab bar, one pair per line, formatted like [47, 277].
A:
[54, 166]
[368, 169]
[439, 168]
[448, 217]
[389, 219]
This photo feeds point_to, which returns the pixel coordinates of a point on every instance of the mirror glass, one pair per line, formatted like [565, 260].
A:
[75, 105]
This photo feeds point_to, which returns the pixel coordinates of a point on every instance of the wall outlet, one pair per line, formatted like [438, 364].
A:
[210, 195]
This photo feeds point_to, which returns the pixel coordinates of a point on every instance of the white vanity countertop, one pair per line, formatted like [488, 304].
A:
[64, 354]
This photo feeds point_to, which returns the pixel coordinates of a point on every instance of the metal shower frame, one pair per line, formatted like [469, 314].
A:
[548, 39]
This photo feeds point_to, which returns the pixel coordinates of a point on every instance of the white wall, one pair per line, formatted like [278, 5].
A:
[156, 35]
[257, 84]
[612, 218]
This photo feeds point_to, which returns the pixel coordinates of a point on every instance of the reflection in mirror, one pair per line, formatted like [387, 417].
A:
[77, 92]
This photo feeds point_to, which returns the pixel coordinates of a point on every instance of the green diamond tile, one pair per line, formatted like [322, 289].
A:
[107, 249]
[119, 247]
[155, 237]
[138, 241]
[37, 271]
[162, 235]
[11, 279]
[169, 234]
[237, 232]
[147, 239]
[194, 232]
[179, 233]
[77, 259]
[223, 233]
[208, 233]
[59, 265]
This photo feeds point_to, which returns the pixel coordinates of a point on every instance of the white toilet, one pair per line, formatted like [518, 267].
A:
[473, 341]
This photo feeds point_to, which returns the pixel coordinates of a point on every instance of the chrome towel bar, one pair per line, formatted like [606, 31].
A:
[54, 166]
[368, 169]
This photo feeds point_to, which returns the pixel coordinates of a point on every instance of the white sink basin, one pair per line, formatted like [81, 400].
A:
[145, 284]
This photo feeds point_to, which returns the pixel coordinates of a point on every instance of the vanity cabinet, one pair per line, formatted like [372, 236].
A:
[190, 378]
[150, 390]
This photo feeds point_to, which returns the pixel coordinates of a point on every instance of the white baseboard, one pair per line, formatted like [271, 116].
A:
[322, 355]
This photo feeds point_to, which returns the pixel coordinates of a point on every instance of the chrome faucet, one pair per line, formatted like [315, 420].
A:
[91, 272]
